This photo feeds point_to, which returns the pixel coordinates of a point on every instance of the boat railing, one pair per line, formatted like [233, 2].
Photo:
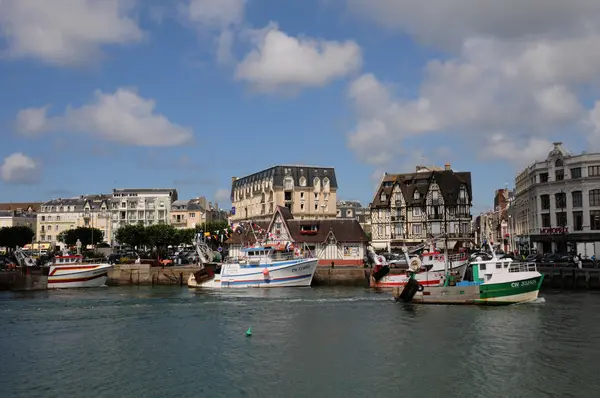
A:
[457, 257]
[522, 267]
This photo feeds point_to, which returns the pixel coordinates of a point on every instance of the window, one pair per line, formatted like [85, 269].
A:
[316, 207]
[416, 195]
[576, 172]
[543, 177]
[593, 171]
[595, 220]
[326, 182]
[595, 197]
[317, 183]
[416, 211]
[560, 200]
[316, 196]
[559, 175]
[558, 163]
[302, 181]
[546, 220]
[349, 213]
[416, 229]
[545, 202]
[434, 195]
[578, 221]
[577, 199]
[383, 197]
[561, 219]
[289, 184]
[301, 195]
[326, 196]
[302, 206]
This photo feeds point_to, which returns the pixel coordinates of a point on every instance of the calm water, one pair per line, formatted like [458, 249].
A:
[320, 342]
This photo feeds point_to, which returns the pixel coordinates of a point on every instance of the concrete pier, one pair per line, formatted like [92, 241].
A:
[570, 278]
[144, 274]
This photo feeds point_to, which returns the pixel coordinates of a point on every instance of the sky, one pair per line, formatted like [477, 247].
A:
[103, 94]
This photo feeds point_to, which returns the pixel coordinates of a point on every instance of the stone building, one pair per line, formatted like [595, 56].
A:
[557, 203]
[309, 192]
[353, 209]
[410, 208]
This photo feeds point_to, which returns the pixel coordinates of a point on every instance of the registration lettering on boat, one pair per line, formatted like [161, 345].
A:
[301, 268]
[524, 283]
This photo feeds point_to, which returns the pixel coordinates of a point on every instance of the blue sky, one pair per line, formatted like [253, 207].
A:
[124, 93]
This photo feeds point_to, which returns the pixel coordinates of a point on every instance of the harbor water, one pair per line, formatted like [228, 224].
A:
[319, 342]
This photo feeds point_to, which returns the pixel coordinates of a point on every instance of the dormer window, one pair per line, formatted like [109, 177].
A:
[326, 183]
[309, 229]
[317, 183]
[289, 183]
[559, 163]
[302, 181]
[416, 195]
[383, 197]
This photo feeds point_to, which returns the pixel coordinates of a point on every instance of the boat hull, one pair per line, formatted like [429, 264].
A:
[293, 273]
[521, 290]
[78, 276]
[426, 278]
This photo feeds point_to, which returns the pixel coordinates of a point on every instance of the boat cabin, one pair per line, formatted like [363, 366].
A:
[66, 260]
[482, 271]
[257, 256]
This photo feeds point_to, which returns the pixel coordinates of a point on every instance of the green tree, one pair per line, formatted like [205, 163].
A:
[12, 237]
[86, 235]
[161, 235]
[132, 235]
[184, 236]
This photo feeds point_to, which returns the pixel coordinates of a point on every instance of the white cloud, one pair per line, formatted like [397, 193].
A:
[122, 116]
[223, 195]
[223, 16]
[66, 32]
[512, 79]
[20, 169]
[283, 62]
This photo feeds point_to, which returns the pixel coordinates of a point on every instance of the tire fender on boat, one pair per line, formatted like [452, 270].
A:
[420, 288]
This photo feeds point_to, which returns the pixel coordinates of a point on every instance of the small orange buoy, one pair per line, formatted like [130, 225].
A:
[266, 272]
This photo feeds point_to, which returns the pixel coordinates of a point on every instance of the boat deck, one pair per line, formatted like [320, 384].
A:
[444, 295]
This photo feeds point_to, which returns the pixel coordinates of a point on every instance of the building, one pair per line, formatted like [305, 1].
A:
[410, 208]
[62, 214]
[27, 207]
[13, 218]
[309, 192]
[339, 241]
[557, 204]
[186, 214]
[145, 206]
[353, 209]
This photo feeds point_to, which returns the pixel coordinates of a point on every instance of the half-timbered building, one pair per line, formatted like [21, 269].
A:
[410, 208]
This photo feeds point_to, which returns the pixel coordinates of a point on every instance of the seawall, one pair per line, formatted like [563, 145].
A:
[144, 274]
[570, 278]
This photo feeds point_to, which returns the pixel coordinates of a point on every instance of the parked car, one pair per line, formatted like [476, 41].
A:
[116, 257]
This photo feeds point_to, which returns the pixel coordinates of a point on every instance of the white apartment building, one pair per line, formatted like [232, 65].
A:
[16, 219]
[557, 204]
[146, 206]
[61, 214]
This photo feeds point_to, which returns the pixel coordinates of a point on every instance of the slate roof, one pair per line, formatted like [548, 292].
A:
[79, 201]
[448, 181]
[280, 172]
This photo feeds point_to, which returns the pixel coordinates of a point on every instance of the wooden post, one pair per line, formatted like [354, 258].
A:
[181, 279]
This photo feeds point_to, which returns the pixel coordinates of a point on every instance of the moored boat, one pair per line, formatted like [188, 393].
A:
[67, 272]
[430, 272]
[491, 282]
[262, 267]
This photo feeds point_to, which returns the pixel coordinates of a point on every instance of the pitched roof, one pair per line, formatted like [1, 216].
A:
[35, 206]
[448, 181]
[249, 234]
[344, 230]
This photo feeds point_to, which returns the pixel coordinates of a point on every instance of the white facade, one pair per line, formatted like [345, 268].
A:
[141, 206]
[14, 219]
[557, 203]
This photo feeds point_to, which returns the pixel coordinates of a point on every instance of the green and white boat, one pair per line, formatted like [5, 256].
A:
[491, 282]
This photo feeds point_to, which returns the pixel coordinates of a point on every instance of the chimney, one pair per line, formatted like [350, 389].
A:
[233, 179]
[447, 167]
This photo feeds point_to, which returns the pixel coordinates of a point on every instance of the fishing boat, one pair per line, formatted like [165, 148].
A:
[432, 268]
[70, 271]
[490, 282]
[262, 266]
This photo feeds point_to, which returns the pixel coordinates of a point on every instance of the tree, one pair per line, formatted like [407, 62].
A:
[19, 235]
[160, 235]
[132, 235]
[214, 227]
[184, 236]
[87, 236]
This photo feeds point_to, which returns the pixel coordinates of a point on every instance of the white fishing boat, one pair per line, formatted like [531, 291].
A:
[498, 281]
[262, 267]
[67, 272]
[431, 269]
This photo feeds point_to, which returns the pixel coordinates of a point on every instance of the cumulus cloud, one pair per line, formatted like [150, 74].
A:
[19, 168]
[66, 32]
[279, 61]
[122, 116]
[512, 79]
[224, 17]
